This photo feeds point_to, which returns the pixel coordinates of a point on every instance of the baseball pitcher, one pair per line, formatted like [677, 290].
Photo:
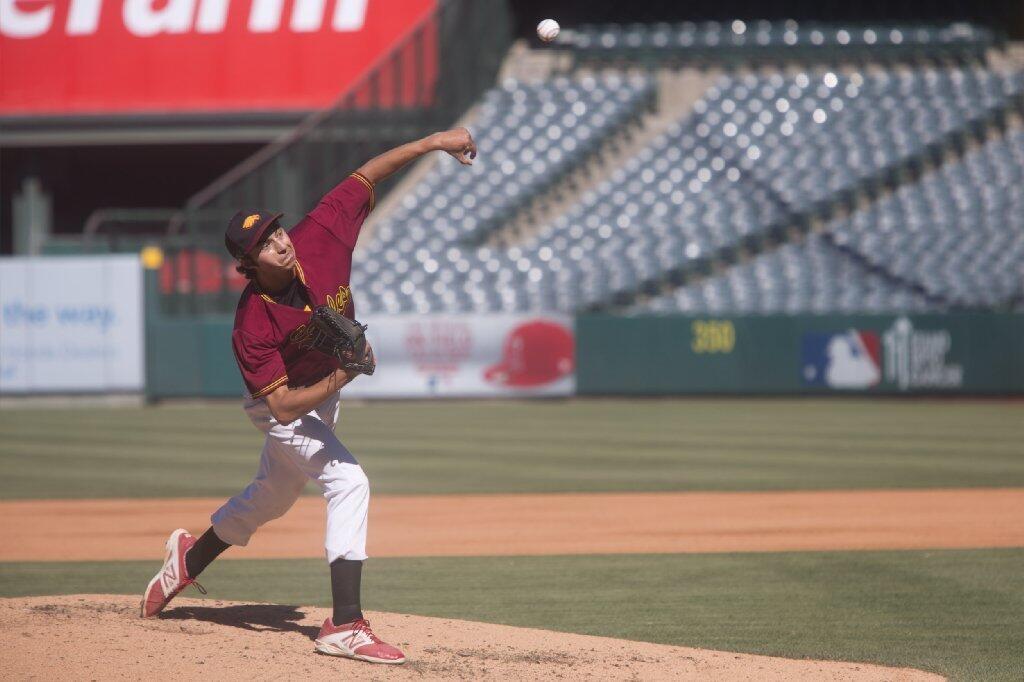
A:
[297, 345]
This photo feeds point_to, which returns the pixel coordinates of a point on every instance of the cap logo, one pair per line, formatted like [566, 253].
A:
[250, 221]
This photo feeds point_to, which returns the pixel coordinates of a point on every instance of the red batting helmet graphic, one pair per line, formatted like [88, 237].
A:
[535, 353]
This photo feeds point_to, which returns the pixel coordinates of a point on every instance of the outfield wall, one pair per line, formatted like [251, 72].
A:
[801, 354]
[463, 356]
[191, 357]
[670, 355]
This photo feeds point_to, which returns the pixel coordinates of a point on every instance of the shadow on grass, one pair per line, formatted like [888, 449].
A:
[257, 617]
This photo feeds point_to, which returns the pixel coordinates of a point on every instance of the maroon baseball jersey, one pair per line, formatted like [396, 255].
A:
[270, 340]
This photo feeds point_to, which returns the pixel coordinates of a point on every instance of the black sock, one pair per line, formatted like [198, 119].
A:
[345, 579]
[202, 554]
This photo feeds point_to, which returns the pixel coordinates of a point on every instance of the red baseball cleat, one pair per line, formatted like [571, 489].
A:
[172, 578]
[356, 640]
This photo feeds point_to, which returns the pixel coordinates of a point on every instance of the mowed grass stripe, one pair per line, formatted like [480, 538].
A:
[686, 412]
[709, 446]
[567, 427]
[618, 438]
[544, 446]
[953, 612]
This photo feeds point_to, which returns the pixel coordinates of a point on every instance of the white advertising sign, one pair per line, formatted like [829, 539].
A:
[71, 324]
[469, 356]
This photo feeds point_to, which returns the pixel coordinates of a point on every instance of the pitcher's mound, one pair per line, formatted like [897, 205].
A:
[103, 637]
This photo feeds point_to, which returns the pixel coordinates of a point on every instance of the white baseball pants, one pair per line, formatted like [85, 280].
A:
[304, 450]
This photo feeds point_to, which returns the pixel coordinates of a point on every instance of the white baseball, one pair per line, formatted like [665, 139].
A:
[547, 30]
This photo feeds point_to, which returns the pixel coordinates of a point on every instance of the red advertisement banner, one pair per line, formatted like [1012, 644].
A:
[174, 56]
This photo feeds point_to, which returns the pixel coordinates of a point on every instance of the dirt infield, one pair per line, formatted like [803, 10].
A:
[233, 641]
[494, 525]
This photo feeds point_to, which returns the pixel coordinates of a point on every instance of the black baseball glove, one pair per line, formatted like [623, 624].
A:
[334, 334]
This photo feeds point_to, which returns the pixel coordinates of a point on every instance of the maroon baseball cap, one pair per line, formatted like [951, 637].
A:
[245, 229]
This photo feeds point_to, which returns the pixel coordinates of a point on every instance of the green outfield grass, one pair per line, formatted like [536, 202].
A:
[577, 445]
[953, 612]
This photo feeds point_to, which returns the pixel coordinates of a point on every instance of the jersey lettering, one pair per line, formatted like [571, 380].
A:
[341, 300]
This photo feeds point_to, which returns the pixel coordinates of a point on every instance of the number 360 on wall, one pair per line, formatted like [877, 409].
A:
[713, 336]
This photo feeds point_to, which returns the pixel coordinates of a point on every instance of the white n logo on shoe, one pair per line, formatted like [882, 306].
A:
[169, 579]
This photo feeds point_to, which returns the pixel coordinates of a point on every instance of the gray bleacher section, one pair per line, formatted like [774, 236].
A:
[955, 238]
[819, 134]
[670, 207]
[958, 233]
[423, 257]
[759, 153]
[807, 277]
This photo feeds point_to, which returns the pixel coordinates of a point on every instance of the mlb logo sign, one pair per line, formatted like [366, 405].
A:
[843, 360]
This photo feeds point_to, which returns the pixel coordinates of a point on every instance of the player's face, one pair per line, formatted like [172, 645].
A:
[275, 252]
